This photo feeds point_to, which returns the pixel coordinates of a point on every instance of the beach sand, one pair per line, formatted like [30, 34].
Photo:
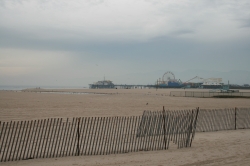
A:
[210, 148]
[33, 104]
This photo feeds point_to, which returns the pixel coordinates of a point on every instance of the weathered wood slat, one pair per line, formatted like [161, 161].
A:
[108, 135]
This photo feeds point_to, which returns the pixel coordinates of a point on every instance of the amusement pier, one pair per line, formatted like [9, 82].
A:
[168, 80]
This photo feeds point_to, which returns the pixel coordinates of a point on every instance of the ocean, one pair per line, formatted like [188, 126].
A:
[21, 87]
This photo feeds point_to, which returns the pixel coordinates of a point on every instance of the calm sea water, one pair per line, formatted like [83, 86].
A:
[21, 87]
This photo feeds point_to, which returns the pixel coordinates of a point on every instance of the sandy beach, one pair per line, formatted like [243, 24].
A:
[38, 103]
[229, 148]
[210, 148]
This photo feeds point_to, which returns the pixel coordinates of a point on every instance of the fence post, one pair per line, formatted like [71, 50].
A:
[78, 135]
[164, 128]
[235, 117]
[194, 125]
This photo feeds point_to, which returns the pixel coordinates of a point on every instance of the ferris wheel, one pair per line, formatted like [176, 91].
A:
[168, 76]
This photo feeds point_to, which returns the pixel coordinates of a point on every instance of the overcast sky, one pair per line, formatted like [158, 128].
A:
[73, 43]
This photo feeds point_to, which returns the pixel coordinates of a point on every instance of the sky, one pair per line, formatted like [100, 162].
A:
[76, 43]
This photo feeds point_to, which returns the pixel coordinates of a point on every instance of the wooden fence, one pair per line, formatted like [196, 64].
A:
[223, 119]
[208, 94]
[57, 137]
[178, 126]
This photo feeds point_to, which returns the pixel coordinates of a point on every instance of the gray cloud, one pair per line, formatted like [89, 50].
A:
[115, 38]
[183, 32]
[245, 23]
[106, 20]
